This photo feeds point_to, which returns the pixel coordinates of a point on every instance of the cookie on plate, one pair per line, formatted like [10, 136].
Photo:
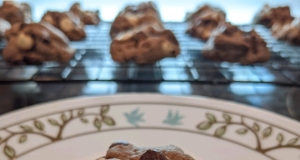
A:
[126, 151]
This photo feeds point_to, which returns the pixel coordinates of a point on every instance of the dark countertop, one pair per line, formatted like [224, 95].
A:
[92, 72]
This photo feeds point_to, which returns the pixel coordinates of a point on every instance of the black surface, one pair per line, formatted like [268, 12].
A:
[93, 72]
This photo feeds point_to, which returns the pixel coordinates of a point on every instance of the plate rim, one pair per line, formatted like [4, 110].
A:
[156, 95]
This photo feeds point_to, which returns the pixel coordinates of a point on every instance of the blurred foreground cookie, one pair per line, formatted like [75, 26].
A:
[69, 23]
[87, 17]
[204, 21]
[268, 16]
[125, 151]
[35, 43]
[289, 32]
[229, 43]
[138, 35]
[15, 12]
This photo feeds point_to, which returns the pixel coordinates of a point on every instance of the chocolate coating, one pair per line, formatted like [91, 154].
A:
[153, 155]
[131, 152]
[69, 23]
[87, 17]
[229, 43]
[268, 16]
[15, 12]
[204, 21]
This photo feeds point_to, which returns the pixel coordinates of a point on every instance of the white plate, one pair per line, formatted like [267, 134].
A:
[208, 129]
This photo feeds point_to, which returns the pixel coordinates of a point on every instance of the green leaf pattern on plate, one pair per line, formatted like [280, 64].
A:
[242, 131]
[26, 128]
[220, 131]
[214, 125]
[227, 117]
[39, 125]
[53, 122]
[204, 125]
[98, 123]
[279, 138]
[267, 132]
[9, 152]
[210, 117]
[23, 138]
[292, 141]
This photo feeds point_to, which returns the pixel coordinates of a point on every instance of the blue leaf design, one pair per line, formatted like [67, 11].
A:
[134, 117]
[173, 119]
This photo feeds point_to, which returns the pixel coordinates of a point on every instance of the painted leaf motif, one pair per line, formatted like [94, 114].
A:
[292, 141]
[173, 119]
[279, 138]
[84, 120]
[53, 122]
[80, 112]
[104, 109]
[210, 117]
[267, 132]
[256, 127]
[108, 121]
[134, 117]
[204, 125]
[242, 131]
[64, 117]
[227, 117]
[220, 131]
[26, 128]
[39, 125]
[23, 138]
[9, 152]
[98, 123]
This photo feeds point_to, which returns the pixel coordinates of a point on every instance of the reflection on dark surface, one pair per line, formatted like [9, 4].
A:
[265, 96]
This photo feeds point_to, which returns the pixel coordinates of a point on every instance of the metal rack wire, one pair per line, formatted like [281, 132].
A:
[92, 62]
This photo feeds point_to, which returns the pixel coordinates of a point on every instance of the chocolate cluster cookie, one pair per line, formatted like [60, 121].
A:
[87, 17]
[35, 43]
[68, 22]
[229, 43]
[133, 16]
[138, 35]
[268, 16]
[289, 32]
[15, 12]
[126, 151]
[204, 21]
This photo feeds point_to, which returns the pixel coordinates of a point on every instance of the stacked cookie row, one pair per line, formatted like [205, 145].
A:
[48, 40]
[138, 34]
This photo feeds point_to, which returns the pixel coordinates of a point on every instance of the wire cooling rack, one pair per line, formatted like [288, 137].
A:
[92, 62]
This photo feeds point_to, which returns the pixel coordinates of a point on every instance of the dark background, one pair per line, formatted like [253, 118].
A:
[92, 72]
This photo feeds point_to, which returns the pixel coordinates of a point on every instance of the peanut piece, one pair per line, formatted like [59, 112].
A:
[133, 20]
[25, 42]
[66, 25]
[49, 19]
[168, 49]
